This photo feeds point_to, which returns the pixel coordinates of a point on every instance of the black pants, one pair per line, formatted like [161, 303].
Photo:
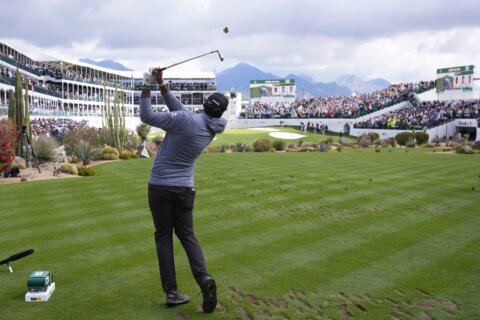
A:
[172, 209]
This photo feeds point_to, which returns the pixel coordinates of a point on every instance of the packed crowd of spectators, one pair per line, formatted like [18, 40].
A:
[428, 114]
[337, 107]
[54, 127]
[7, 75]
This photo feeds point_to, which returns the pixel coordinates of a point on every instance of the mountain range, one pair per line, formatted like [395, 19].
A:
[110, 64]
[238, 78]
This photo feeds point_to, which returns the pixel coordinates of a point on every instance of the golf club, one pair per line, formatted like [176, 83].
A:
[202, 55]
[16, 257]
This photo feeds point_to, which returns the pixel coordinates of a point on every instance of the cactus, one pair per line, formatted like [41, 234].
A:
[19, 111]
[27, 113]
[11, 106]
[113, 120]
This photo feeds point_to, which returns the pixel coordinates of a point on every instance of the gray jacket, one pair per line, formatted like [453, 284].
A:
[187, 135]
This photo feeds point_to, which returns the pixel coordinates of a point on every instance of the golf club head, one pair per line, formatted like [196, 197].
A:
[220, 56]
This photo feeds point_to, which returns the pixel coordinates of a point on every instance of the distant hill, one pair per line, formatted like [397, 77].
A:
[380, 82]
[360, 86]
[239, 76]
[110, 64]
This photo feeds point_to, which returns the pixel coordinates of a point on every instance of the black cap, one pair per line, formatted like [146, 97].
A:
[215, 105]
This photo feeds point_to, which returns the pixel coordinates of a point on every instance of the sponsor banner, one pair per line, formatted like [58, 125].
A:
[455, 78]
[272, 90]
[466, 122]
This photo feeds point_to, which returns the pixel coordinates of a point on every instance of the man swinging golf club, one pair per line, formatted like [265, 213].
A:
[171, 190]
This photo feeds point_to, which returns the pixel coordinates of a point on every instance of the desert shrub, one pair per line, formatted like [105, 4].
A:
[240, 147]
[125, 155]
[86, 171]
[308, 144]
[44, 147]
[211, 150]
[363, 141]
[421, 137]
[339, 148]
[373, 136]
[279, 145]
[132, 141]
[223, 148]
[392, 142]
[86, 152]
[291, 146]
[323, 146]
[69, 168]
[82, 133]
[403, 137]
[411, 143]
[377, 149]
[158, 140]
[142, 131]
[110, 153]
[262, 145]
[476, 145]
[306, 149]
[8, 142]
[464, 149]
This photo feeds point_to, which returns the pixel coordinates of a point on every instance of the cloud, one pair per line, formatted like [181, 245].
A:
[399, 40]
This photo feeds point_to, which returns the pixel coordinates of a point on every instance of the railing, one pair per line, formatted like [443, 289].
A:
[19, 65]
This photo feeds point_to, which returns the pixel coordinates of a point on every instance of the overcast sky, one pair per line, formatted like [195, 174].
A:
[404, 40]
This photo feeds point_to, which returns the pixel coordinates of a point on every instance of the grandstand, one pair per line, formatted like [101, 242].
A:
[63, 88]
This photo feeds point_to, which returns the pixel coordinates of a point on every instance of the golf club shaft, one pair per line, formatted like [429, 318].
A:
[202, 55]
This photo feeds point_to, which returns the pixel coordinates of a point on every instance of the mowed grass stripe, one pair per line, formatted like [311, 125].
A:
[265, 224]
[372, 244]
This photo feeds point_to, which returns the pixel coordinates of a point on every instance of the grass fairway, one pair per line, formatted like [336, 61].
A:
[337, 235]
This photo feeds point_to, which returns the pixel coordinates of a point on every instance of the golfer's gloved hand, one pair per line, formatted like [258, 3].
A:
[158, 74]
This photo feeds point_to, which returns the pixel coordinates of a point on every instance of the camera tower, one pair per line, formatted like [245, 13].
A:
[28, 151]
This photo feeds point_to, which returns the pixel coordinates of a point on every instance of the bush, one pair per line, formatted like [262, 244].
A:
[373, 136]
[403, 137]
[262, 145]
[421, 137]
[125, 155]
[363, 141]
[323, 146]
[86, 171]
[44, 147]
[411, 143]
[69, 168]
[110, 153]
[211, 150]
[279, 145]
[132, 141]
[464, 149]
[8, 143]
[86, 152]
[240, 147]
[158, 140]
[82, 133]
[476, 145]
[223, 148]
[307, 144]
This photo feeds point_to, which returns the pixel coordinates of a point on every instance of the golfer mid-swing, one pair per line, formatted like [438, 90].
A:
[171, 190]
